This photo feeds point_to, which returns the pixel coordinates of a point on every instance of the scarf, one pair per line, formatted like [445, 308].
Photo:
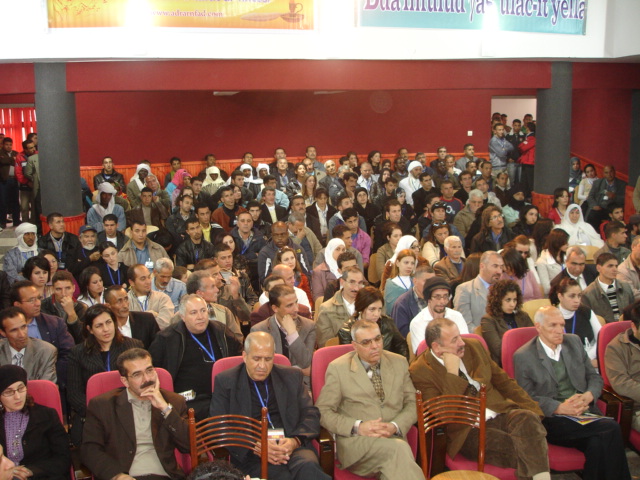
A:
[218, 182]
[105, 188]
[20, 231]
[136, 178]
[328, 255]
[178, 178]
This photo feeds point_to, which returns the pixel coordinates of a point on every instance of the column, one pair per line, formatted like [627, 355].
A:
[634, 149]
[58, 145]
[553, 135]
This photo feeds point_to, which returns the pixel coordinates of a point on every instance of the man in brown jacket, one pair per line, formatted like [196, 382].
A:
[456, 366]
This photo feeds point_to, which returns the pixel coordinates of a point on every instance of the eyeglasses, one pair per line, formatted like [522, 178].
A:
[441, 297]
[138, 375]
[10, 392]
[496, 217]
[439, 224]
[33, 300]
[368, 341]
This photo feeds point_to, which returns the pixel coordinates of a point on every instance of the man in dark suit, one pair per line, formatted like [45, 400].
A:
[456, 366]
[411, 303]
[149, 212]
[555, 370]
[132, 432]
[139, 325]
[577, 268]
[297, 205]
[604, 192]
[270, 208]
[245, 389]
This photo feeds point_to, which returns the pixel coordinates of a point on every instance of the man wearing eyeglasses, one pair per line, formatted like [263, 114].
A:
[368, 402]
[132, 432]
[576, 268]
[36, 356]
[49, 328]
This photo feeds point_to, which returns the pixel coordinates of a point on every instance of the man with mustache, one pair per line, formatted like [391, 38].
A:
[88, 253]
[132, 432]
[458, 366]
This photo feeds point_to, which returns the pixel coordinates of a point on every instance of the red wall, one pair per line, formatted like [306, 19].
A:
[159, 125]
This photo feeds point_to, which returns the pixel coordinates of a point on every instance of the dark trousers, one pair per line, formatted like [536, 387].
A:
[596, 217]
[9, 201]
[601, 442]
[515, 439]
[526, 178]
[303, 465]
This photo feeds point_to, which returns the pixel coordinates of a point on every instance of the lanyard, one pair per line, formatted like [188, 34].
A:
[84, 254]
[573, 325]
[143, 306]
[245, 245]
[210, 354]
[108, 361]
[111, 276]
[264, 403]
[58, 244]
[403, 284]
[196, 252]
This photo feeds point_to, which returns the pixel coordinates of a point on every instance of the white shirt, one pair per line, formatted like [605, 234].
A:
[409, 185]
[552, 354]
[302, 298]
[351, 307]
[421, 320]
[126, 329]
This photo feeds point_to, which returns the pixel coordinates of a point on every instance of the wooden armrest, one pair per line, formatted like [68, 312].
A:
[326, 451]
[625, 412]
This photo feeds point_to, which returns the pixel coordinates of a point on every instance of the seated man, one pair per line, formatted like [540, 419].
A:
[151, 210]
[139, 325]
[294, 336]
[64, 244]
[87, 253]
[303, 236]
[61, 304]
[337, 310]
[576, 267]
[471, 296]
[615, 234]
[247, 298]
[345, 259]
[311, 222]
[607, 296]
[36, 356]
[143, 299]
[249, 241]
[176, 222]
[555, 370]
[369, 403]
[141, 250]
[288, 275]
[226, 215]
[15, 258]
[111, 233]
[360, 240]
[108, 173]
[189, 348]
[265, 311]
[628, 270]
[132, 432]
[411, 303]
[106, 205]
[343, 202]
[194, 247]
[290, 409]
[458, 366]
[164, 282]
[279, 238]
[280, 198]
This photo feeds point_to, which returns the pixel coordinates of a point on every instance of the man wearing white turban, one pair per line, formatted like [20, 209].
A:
[137, 184]
[412, 182]
[15, 258]
[106, 204]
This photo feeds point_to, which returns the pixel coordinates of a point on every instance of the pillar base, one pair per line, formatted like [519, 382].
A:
[543, 202]
[72, 224]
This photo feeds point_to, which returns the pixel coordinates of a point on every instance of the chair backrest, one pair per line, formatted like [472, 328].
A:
[230, 362]
[412, 356]
[332, 342]
[607, 333]
[106, 381]
[373, 275]
[316, 311]
[475, 336]
[422, 347]
[532, 306]
[225, 431]
[46, 393]
[511, 341]
[589, 250]
[321, 359]
[601, 320]
[451, 409]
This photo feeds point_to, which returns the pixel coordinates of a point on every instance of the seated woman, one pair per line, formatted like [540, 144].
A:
[98, 353]
[517, 269]
[111, 270]
[433, 249]
[328, 270]
[407, 210]
[52, 258]
[364, 207]
[561, 199]
[174, 188]
[91, 287]
[586, 183]
[401, 279]
[392, 232]
[38, 270]
[551, 260]
[30, 434]
[579, 320]
[504, 304]
[309, 190]
[287, 256]
[493, 232]
[406, 242]
[294, 187]
[580, 232]
[528, 217]
[368, 306]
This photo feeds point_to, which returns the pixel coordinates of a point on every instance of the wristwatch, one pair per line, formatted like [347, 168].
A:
[166, 410]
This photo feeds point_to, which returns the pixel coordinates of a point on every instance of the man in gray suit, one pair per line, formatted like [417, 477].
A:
[36, 356]
[368, 402]
[555, 370]
[294, 336]
[471, 296]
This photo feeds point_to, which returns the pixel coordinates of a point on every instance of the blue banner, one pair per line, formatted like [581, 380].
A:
[540, 16]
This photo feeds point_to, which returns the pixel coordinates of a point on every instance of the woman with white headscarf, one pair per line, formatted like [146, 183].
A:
[137, 184]
[401, 278]
[27, 247]
[328, 270]
[407, 242]
[580, 232]
[213, 181]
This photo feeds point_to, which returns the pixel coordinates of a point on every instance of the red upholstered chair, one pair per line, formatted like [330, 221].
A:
[105, 381]
[476, 337]
[607, 333]
[230, 362]
[321, 359]
[561, 459]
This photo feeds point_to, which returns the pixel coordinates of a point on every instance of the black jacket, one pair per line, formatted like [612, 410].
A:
[392, 339]
[143, 327]
[45, 444]
[121, 239]
[590, 274]
[70, 248]
[281, 214]
[482, 241]
[186, 252]
[4, 290]
[167, 349]
[115, 176]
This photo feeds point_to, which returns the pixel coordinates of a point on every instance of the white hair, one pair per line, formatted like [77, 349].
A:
[475, 193]
[450, 239]
[163, 263]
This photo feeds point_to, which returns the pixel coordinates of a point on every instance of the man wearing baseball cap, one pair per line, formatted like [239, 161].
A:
[437, 294]
[89, 251]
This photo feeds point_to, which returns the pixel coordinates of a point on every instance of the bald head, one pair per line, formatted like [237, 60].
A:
[286, 272]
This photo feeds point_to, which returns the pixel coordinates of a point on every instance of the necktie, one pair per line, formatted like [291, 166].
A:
[472, 390]
[377, 381]
[17, 359]
[285, 344]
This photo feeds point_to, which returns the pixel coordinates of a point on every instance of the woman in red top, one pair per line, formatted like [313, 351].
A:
[561, 200]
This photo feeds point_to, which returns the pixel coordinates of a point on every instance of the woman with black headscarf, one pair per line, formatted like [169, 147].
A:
[365, 208]
[511, 210]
